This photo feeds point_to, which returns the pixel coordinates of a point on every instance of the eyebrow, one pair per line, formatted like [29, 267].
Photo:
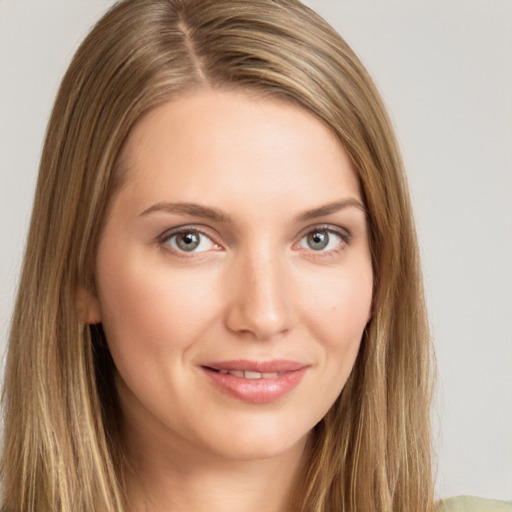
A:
[330, 208]
[206, 212]
[193, 209]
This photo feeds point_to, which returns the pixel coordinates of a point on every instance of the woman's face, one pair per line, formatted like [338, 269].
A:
[234, 277]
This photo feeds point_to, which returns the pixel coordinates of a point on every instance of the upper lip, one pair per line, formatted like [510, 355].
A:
[272, 366]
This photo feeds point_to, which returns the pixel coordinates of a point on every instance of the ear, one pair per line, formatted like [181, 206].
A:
[87, 306]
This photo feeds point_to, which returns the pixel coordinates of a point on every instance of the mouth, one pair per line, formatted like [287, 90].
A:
[247, 374]
[255, 381]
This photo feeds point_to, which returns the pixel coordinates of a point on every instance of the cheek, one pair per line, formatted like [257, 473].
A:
[337, 315]
[335, 312]
[339, 306]
[147, 310]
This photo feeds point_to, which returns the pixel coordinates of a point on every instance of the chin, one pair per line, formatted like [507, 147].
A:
[265, 443]
[264, 450]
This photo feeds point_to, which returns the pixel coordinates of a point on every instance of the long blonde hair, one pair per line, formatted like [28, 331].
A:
[371, 453]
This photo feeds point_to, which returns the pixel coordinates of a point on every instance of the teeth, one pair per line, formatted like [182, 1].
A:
[252, 375]
[249, 374]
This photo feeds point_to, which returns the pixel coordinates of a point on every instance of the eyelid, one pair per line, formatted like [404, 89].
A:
[344, 234]
[169, 233]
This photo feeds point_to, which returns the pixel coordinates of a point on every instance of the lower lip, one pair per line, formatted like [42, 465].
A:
[256, 391]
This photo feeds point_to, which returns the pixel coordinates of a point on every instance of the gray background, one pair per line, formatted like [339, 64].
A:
[444, 69]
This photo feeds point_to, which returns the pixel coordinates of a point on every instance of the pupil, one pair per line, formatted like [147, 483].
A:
[318, 240]
[188, 241]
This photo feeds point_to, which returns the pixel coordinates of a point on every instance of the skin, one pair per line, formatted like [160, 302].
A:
[254, 289]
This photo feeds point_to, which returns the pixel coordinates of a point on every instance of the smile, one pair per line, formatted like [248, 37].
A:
[255, 382]
[250, 375]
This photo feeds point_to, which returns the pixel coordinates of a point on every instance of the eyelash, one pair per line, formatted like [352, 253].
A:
[344, 235]
[163, 240]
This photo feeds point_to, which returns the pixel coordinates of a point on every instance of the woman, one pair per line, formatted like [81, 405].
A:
[215, 310]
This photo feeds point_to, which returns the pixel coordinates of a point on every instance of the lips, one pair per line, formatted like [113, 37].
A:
[249, 374]
[255, 381]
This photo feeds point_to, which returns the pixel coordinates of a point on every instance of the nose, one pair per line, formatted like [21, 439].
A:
[259, 304]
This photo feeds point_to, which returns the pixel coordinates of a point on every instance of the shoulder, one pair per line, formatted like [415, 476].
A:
[472, 504]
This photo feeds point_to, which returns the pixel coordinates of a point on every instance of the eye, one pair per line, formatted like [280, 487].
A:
[189, 241]
[322, 239]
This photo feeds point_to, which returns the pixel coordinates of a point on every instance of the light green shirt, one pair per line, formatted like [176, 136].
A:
[471, 504]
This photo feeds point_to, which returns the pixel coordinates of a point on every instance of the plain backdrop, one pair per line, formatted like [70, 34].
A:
[444, 68]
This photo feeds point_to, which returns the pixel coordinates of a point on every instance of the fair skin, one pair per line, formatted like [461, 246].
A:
[234, 282]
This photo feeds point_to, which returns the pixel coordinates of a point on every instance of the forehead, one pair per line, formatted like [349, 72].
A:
[231, 143]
